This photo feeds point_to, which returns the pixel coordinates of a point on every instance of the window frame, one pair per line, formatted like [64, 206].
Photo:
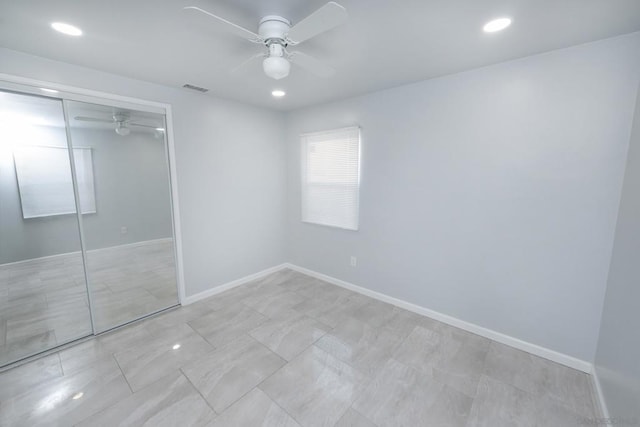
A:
[21, 184]
[305, 183]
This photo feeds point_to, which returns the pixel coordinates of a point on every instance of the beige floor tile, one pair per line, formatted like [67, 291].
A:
[403, 396]
[255, 409]
[315, 388]
[171, 401]
[66, 400]
[224, 326]
[145, 363]
[227, 374]
[352, 418]
[285, 350]
[289, 337]
[364, 346]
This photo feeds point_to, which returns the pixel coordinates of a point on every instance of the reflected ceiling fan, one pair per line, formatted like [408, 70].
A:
[121, 120]
[277, 34]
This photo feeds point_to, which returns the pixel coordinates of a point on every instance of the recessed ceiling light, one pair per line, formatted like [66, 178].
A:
[496, 25]
[67, 29]
[278, 93]
[176, 346]
[77, 396]
[44, 89]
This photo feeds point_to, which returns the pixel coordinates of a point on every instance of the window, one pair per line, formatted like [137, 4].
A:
[331, 177]
[44, 181]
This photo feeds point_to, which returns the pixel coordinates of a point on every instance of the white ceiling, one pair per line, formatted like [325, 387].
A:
[384, 44]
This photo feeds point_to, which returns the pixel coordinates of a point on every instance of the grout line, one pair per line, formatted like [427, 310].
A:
[5, 332]
[314, 341]
[198, 390]
[243, 395]
[198, 334]
[201, 336]
[223, 346]
[113, 355]
[280, 406]
[271, 398]
[254, 387]
[60, 362]
[362, 415]
[269, 350]
[282, 367]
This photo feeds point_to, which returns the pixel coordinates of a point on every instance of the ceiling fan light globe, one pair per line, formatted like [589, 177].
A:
[123, 130]
[276, 67]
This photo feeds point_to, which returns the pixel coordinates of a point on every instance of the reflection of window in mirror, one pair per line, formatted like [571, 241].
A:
[44, 180]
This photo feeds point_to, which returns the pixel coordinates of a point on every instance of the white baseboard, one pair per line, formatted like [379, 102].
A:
[599, 395]
[537, 350]
[519, 344]
[135, 244]
[66, 254]
[190, 299]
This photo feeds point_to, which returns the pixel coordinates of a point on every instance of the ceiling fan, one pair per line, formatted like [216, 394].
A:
[277, 34]
[121, 120]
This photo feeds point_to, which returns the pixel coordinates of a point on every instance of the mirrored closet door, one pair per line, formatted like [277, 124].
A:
[124, 188]
[43, 293]
[86, 223]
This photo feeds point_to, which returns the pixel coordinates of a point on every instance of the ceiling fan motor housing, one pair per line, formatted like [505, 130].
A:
[120, 117]
[273, 27]
[273, 30]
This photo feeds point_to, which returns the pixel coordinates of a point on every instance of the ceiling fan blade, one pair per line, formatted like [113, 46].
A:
[92, 119]
[327, 17]
[247, 61]
[311, 64]
[230, 26]
[142, 126]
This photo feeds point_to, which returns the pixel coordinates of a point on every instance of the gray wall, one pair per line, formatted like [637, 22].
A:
[230, 169]
[618, 356]
[489, 195]
[132, 189]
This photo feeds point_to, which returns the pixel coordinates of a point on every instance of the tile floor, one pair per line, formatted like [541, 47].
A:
[290, 350]
[43, 302]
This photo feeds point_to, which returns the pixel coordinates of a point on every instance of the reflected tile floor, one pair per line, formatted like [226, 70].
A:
[43, 302]
[290, 350]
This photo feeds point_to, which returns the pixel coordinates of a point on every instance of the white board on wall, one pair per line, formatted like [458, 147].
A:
[44, 180]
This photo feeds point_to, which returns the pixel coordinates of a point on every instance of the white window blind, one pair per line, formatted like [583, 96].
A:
[331, 177]
[44, 181]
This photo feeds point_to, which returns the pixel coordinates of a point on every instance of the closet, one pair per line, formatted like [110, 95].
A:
[86, 219]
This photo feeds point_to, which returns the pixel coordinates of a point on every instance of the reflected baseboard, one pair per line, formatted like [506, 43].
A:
[78, 252]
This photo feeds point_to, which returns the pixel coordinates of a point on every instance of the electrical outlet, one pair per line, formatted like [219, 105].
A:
[124, 230]
[354, 261]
